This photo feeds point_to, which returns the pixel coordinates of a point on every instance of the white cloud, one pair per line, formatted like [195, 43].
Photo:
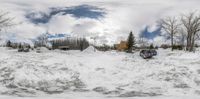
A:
[160, 40]
[122, 16]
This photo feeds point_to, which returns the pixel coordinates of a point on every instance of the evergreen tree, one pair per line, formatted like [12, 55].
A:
[130, 42]
[151, 46]
[20, 46]
[8, 44]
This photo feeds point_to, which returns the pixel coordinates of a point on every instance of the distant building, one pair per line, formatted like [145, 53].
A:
[64, 47]
[122, 46]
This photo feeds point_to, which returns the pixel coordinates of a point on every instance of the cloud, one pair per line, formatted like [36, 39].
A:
[107, 20]
[80, 11]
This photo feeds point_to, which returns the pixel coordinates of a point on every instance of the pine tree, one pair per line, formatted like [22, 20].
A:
[130, 42]
[20, 46]
[151, 46]
[8, 44]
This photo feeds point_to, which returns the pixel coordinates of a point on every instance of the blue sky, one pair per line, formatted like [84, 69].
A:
[107, 20]
[79, 11]
[150, 35]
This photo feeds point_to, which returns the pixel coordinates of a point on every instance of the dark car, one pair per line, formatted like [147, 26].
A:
[20, 50]
[26, 49]
[154, 52]
[23, 50]
[146, 54]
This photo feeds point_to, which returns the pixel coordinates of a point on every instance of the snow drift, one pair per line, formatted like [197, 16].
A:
[90, 49]
[109, 73]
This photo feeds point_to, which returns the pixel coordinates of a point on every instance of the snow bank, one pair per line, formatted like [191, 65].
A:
[90, 49]
[43, 49]
[2, 42]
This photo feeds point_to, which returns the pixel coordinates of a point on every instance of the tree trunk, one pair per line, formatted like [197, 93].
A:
[172, 41]
[188, 42]
[192, 42]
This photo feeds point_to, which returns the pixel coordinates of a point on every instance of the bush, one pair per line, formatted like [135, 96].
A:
[165, 46]
[196, 45]
[177, 47]
[104, 47]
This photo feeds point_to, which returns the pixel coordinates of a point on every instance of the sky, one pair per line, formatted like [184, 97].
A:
[106, 21]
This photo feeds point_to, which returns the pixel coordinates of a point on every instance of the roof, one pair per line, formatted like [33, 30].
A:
[63, 47]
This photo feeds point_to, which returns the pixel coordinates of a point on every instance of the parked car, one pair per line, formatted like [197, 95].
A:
[26, 49]
[23, 50]
[20, 50]
[38, 50]
[146, 54]
[154, 52]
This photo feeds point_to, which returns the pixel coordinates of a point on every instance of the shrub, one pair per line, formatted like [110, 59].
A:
[164, 46]
[177, 47]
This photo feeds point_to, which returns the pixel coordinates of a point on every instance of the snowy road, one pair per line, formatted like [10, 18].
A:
[55, 74]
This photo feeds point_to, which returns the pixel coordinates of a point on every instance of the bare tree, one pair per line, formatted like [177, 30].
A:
[182, 36]
[143, 42]
[5, 20]
[191, 23]
[171, 26]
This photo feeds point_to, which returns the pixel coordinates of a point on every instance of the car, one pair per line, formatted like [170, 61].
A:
[23, 50]
[20, 50]
[26, 50]
[38, 50]
[154, 52]
[146, 54]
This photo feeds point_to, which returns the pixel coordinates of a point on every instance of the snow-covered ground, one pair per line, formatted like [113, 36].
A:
[92, 74]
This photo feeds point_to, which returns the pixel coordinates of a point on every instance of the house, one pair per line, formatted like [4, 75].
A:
[64, 47]
[122, 46]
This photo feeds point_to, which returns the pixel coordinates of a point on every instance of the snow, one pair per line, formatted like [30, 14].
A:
[93, 74]
[2, 42]
[95, 96]
[90, 49]
[43, 49]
